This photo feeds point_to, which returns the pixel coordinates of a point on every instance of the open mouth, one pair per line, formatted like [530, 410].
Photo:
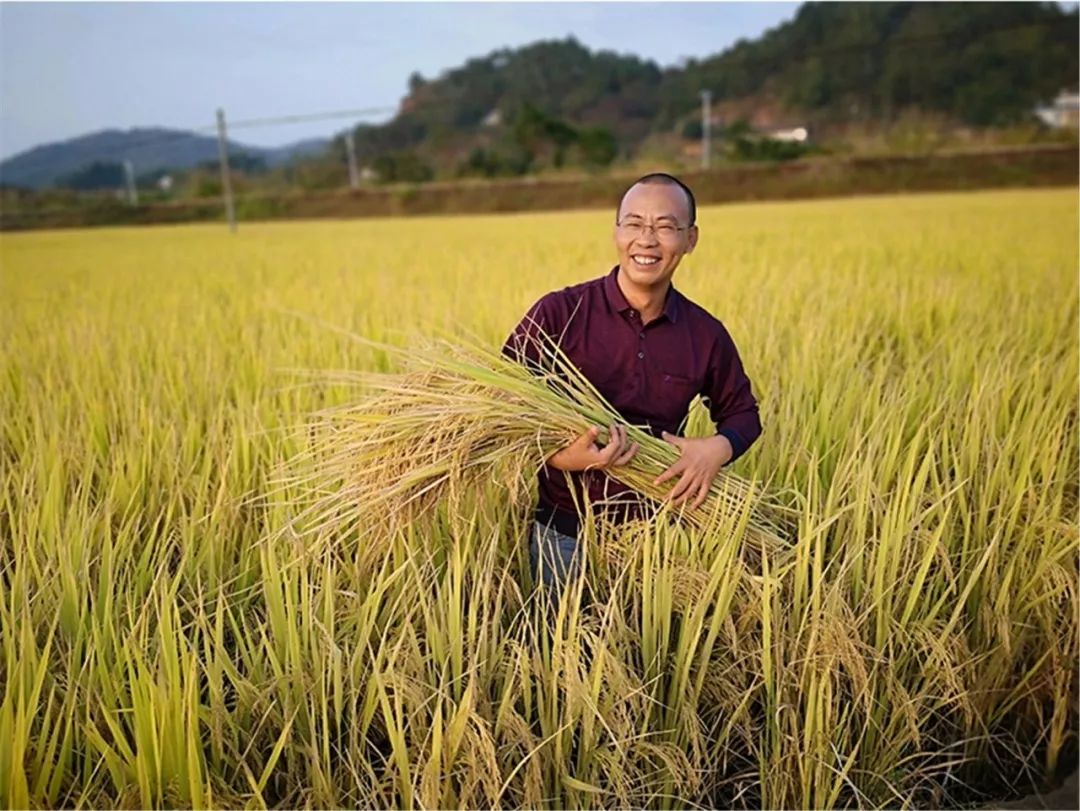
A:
[645, 261]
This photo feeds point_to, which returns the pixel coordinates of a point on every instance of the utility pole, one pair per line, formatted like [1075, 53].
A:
[706, 120]
[350, 153]
[129, 178]
[223, 157]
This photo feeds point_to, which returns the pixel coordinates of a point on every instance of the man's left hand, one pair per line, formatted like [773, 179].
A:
[699, 462]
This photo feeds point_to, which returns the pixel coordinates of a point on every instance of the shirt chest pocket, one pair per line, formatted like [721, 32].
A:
[674, 393]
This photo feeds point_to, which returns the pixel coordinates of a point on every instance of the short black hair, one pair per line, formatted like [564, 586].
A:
[667, 180]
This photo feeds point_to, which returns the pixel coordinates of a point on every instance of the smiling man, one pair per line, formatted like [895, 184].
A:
[650, 351]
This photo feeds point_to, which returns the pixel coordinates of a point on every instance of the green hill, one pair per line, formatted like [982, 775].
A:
[96, 159]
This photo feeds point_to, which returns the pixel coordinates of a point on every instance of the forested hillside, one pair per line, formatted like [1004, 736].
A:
[977, 64]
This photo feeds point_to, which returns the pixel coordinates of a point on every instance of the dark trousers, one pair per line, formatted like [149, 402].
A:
[553, 557]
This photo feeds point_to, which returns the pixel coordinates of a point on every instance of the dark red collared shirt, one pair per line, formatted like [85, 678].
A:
[650, 373]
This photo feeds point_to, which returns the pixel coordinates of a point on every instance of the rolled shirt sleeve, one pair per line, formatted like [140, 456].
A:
[730, 399]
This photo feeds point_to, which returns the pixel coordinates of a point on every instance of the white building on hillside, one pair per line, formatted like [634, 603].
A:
[1063, 112]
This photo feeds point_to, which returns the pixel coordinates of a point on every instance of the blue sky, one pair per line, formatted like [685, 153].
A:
[67, 69]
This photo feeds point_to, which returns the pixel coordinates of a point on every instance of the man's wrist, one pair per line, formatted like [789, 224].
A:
[732, 443]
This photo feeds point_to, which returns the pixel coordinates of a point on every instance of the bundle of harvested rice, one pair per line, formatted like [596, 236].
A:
[462, 415]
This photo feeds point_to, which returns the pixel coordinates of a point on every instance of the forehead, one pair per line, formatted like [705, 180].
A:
[656, 200]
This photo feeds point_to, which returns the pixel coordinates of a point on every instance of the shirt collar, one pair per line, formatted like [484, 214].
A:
[619, 303]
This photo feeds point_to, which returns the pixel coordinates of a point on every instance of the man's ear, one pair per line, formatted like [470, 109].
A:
[692, 238]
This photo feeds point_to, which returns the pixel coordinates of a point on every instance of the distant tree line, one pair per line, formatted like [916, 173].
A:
[104, 175]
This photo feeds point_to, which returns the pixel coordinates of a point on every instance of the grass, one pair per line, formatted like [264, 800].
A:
[171, 637]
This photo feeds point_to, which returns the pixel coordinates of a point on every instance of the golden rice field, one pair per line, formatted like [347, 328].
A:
[167, 643]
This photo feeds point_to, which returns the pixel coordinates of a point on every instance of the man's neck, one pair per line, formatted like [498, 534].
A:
[648, 301]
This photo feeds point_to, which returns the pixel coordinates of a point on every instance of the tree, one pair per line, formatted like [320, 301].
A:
[598, 147]
[94, 177]
[402, 167]
[693, 129]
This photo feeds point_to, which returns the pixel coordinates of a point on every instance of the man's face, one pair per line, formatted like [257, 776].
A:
[648, 256]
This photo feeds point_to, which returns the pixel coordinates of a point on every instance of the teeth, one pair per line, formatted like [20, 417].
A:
[646, 260]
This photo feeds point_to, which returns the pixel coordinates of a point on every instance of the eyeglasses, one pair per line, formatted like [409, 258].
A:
[665, 232]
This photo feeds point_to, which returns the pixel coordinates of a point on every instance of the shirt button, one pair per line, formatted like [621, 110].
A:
[633, 313]
[640, 355]
[641, 335]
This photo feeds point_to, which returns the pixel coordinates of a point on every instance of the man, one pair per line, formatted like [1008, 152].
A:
[649, 350]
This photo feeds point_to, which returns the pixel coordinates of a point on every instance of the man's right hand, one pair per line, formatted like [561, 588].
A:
[584, 454]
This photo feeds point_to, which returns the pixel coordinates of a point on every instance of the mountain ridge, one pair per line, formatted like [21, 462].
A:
[150, 149]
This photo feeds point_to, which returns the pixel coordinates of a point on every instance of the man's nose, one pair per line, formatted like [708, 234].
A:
[648, 236]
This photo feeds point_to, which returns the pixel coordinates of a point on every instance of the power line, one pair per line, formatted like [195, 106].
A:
[292, 119]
